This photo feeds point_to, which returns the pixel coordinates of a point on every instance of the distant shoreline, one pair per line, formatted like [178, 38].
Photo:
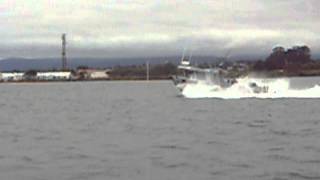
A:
[132, 79]
[71, 81]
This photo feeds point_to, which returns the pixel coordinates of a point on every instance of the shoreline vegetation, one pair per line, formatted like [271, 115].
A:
[295, 61]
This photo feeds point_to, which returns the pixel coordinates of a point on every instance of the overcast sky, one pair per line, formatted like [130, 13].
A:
[132, 28]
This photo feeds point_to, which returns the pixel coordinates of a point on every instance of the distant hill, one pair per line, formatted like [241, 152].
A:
[23, 64]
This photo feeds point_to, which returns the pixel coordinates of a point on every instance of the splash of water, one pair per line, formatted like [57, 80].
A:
[277, 88]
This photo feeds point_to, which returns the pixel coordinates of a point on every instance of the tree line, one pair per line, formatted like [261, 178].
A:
[280, 58]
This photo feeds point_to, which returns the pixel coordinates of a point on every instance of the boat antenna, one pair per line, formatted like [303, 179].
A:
[227, 54]
[224, 58]
[190, 57]
[183, 53]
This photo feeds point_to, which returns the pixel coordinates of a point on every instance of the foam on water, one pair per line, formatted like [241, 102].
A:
[277, 88]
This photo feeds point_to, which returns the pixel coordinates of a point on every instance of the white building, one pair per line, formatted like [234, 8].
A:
[59, 75]
[11, 76]
[94, 74]
[99, 74]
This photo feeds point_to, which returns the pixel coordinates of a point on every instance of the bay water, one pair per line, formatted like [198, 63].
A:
[145, 130]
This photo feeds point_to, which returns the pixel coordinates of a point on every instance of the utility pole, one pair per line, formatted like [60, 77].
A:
[64, 54]
[147, 70]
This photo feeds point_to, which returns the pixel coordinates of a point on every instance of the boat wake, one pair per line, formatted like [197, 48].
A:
[277, 88]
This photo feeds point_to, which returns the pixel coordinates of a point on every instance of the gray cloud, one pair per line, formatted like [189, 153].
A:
[112, 28]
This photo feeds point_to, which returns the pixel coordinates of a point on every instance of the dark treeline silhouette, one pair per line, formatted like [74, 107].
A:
[280, 58]
[295, 61]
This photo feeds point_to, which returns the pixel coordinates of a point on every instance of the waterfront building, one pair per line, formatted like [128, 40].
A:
[56, 75]
[93, 74]
[11, 76]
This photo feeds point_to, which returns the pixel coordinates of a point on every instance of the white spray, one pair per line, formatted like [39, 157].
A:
[277, 88]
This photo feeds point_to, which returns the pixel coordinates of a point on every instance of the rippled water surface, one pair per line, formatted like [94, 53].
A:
[140, 130]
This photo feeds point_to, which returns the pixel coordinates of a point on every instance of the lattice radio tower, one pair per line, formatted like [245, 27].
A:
[64, 54]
